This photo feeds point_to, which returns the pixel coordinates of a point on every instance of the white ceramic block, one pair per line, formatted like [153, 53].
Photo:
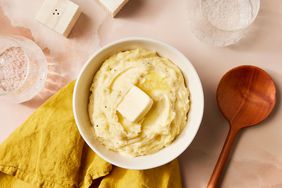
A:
[113, 6]
[59, 15]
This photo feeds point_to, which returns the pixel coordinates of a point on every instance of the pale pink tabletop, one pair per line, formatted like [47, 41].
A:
[257, 159]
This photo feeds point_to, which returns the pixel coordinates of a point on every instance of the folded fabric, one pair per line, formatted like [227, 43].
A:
[48, 151]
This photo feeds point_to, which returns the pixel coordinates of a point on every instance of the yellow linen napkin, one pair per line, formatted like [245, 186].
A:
[47, 151]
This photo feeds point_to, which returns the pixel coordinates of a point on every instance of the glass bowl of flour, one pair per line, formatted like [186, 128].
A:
[222, 22]
[23, 69]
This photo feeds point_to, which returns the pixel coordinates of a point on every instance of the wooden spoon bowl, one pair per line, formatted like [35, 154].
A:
[246, 95]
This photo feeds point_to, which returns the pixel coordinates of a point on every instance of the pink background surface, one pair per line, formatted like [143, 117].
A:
[257, 159]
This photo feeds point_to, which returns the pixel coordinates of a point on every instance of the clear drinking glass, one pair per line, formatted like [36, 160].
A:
[222, 22]
[23, 69]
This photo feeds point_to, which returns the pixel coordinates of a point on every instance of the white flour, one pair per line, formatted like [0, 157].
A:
[230, 15]
[13, 69]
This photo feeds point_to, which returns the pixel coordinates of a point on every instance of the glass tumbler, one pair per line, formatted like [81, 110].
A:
[23, 69]
[222, 22]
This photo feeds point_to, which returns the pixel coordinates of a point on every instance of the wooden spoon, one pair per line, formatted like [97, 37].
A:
[245, 95]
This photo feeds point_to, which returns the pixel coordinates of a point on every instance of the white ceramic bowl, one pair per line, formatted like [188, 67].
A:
[81, 97]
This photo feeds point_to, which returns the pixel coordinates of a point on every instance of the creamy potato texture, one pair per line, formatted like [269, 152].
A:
[161, 80]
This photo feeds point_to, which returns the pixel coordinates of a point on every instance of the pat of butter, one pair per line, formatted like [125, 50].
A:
[135, 105]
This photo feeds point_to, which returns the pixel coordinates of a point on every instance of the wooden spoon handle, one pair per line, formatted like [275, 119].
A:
[222, 158]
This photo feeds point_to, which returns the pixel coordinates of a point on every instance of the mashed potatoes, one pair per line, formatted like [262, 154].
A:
[161, 80]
